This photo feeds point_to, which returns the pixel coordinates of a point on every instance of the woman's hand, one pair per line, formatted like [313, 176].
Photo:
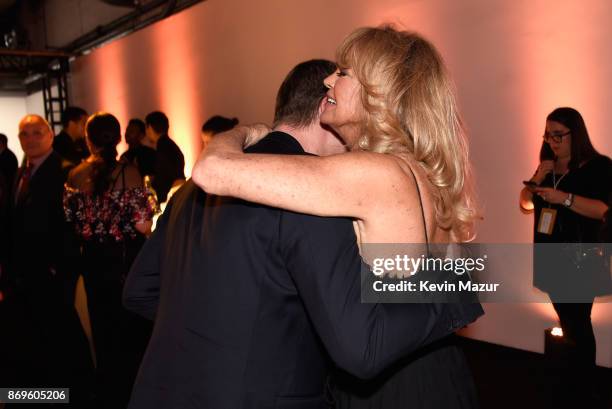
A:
[255, 133]
[551, 195]
[545, 167]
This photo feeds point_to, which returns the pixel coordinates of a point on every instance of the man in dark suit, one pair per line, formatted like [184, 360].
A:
[250, 302]
[169, 160]
[70, 143]
[41, 268]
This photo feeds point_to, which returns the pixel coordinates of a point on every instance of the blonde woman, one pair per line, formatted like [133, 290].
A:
[403, 181]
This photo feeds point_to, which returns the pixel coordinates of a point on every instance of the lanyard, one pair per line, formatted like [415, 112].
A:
[556, 182]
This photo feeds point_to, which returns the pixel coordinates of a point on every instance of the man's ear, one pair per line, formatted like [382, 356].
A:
[322, 105]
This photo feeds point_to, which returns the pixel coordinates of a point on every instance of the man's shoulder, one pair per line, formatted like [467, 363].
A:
[277, 142]
[52, 172]
[54, 160]
[188, 190]
[168, 144]
[8, 155]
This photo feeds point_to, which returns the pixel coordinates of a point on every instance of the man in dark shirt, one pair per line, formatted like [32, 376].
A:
[70, 142]
[139, 155]
[169, 160]
[8, 169]
[250, 302]
[8, 161]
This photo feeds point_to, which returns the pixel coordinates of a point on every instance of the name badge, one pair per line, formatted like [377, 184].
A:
[546, 224]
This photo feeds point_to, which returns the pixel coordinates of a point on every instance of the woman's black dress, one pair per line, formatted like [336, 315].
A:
[109, 244]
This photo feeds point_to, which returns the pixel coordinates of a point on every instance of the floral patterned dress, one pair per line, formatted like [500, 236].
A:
[109, 240]
[111, 216]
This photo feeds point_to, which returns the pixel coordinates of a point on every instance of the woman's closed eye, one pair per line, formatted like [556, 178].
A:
[341, 73]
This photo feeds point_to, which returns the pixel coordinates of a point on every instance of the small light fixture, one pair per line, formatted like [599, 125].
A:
[556, 331]
[556, 346]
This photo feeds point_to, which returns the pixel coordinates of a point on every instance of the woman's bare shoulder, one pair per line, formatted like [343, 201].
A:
[79, 175]
[375, 166]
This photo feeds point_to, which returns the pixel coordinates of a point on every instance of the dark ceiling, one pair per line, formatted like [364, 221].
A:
[37, 35]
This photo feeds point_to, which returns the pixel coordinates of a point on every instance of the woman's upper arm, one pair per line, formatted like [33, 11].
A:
[337, 185]
[72, 177]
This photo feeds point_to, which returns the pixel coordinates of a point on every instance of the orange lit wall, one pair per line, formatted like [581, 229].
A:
[513, 62]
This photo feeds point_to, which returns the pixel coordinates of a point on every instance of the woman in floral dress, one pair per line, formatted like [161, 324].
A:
[111, 211]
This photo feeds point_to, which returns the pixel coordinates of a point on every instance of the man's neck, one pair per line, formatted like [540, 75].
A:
[313, 138]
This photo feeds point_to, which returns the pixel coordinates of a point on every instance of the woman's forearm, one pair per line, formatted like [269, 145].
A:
[526, 200]
[592, 208]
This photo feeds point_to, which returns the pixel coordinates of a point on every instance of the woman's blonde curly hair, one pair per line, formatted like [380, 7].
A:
[410, 107]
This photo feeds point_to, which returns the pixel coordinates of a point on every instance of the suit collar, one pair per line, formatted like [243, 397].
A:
[38, 173]
[37, 163]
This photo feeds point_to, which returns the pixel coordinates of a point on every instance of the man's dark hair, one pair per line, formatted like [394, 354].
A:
[73, 114]
[158, 121]
[138, 123]
[217, 124]
[3, 139]
[300, 94]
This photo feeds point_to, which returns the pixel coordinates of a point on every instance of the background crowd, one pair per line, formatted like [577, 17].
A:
[72, 209]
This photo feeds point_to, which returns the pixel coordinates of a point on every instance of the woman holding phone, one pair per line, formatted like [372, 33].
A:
[568, 198]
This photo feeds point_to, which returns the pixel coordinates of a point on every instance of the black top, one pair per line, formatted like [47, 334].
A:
[142, 157]
[169, 166]
[250, 302]
[72, 151]
[592, 180]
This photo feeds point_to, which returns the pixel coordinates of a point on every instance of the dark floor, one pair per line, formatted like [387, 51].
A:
[513, 378]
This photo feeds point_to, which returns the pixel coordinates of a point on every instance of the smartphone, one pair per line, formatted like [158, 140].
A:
[530, 183]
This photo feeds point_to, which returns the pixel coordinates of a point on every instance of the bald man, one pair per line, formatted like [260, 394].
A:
[50, 345]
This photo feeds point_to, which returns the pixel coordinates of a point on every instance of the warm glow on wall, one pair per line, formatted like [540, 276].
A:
[175, 82]
[561, 67]
[110, 73]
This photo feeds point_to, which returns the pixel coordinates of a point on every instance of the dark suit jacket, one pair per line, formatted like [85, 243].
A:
[248, 302]
[42, 247]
